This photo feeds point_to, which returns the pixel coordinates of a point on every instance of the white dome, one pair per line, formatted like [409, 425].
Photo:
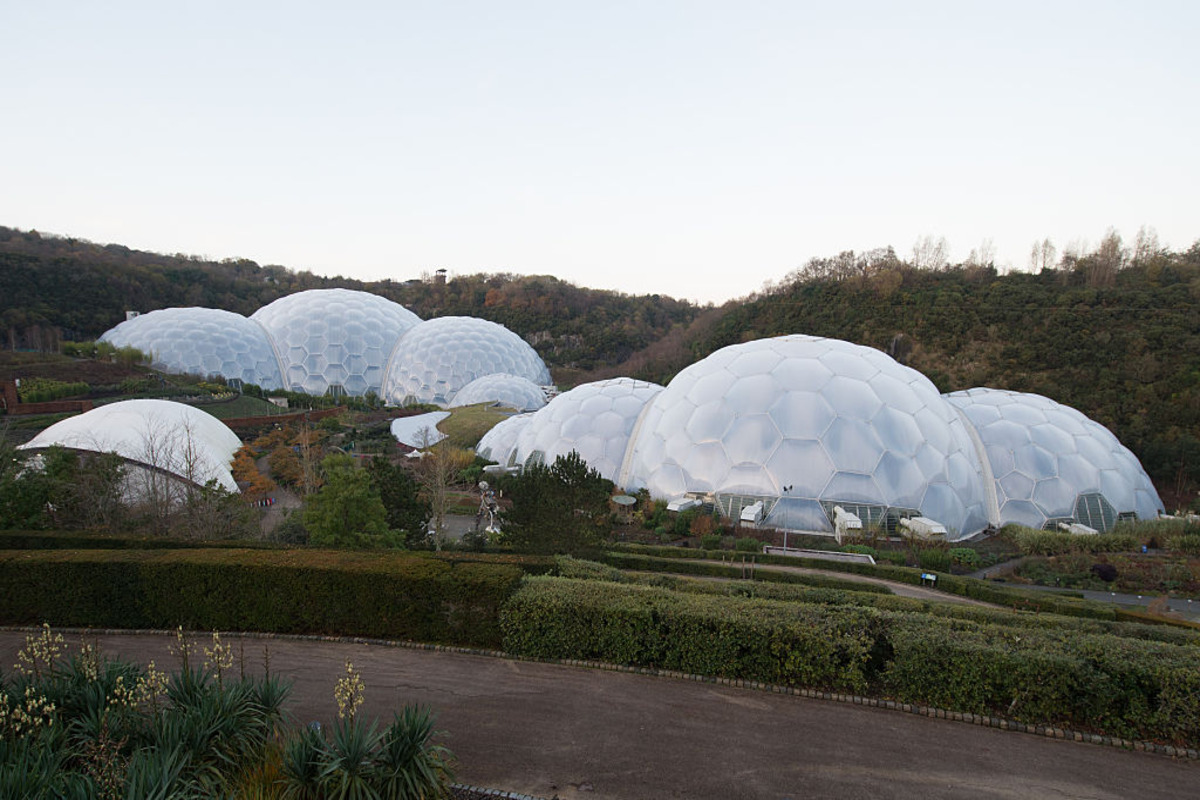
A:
[595, 420]
[334, 336]
[500, 443]
[172, 437]
[1045, 457]
[202, 341]
[511, 391]
[440, 356]
[798, 421]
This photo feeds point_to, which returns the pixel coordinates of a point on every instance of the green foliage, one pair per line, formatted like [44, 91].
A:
[934, 559]
[402, 762]
[570, 567]
[43, 390]
[401, 497]
[964, 557]
[104, 728]
[562, 508]
[733, 569]
[384, 594]
[730, 637]
[1032, 542]
[864, 549]
[710, 542]
[347, 511]
[1113, 677]
[60, 488]
[747, 544]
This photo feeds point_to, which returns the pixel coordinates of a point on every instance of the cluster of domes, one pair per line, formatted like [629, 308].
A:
[343, 341]
[803, 424]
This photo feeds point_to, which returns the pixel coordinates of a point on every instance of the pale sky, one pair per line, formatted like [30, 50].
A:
[697, 149]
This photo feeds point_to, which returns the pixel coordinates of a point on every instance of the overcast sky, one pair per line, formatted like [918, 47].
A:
[697, 149]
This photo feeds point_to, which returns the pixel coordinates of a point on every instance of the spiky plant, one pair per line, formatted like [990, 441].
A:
[410, 765]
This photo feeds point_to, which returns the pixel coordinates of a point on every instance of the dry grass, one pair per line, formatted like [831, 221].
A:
[466, 426]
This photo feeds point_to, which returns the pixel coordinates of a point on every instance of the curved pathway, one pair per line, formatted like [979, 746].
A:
[897, 588]
[571, 732]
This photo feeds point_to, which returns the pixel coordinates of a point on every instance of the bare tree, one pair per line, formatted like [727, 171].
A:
[435, 473]
[931, 254]
[1043, 256]
[1146, 246]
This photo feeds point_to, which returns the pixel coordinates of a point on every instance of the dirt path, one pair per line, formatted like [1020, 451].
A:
[550, 730]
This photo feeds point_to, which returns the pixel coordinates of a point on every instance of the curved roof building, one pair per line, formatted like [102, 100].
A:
[803, 423]
[511, 391]
[438, 357]
[334, 338]
[1051, 463]
[594, 419]
[158, 434]
[202, 341]
[500, 443]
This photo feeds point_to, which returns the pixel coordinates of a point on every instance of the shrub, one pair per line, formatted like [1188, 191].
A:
[747, 544]
[934, 559]
[710, 542]
[1105, 572]
[864, 549]
[453, 599]
[964, 557]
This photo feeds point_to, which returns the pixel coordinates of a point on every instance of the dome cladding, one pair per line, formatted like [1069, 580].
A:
[172, 437]
[499, 444]
[511, 391]
[800, 419]
[437, 358]
[594, 419]
[202, 341]
[329, 337]
[1045, 455]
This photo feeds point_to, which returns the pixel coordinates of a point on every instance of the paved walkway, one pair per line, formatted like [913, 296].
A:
[550, 730]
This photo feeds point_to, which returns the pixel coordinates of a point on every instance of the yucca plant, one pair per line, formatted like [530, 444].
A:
[411, 766]
[348, 768]
[300, 764]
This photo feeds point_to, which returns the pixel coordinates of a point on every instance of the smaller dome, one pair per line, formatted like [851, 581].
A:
[594, 419]
[437, 358]
[1051, 461]
[499, 444]
[511, 391]
[202, 341]
[172, 437]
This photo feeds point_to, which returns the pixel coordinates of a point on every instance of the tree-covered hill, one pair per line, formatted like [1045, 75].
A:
[1118, 341]
[53, 287]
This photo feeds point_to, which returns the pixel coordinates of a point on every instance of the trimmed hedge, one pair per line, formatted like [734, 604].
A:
[724, 636]
[1121, 686]
[633, 561]
[1066, 603]
[378, 594]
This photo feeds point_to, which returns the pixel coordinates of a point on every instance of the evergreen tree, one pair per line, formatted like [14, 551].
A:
[562, 508]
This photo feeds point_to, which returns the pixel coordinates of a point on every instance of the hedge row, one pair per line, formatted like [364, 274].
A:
[840, 597]
[378, 594]
[1125, 687]
[733, 637]
[1067, 603]
[644, 563]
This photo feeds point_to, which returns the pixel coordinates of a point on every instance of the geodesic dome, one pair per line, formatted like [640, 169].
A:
[500, 443]
[803, 423]
[594, 419]
[511, 391]
[438, 357]
[159, 434]
[334, 337]
[202, 341]
[1051, 462]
